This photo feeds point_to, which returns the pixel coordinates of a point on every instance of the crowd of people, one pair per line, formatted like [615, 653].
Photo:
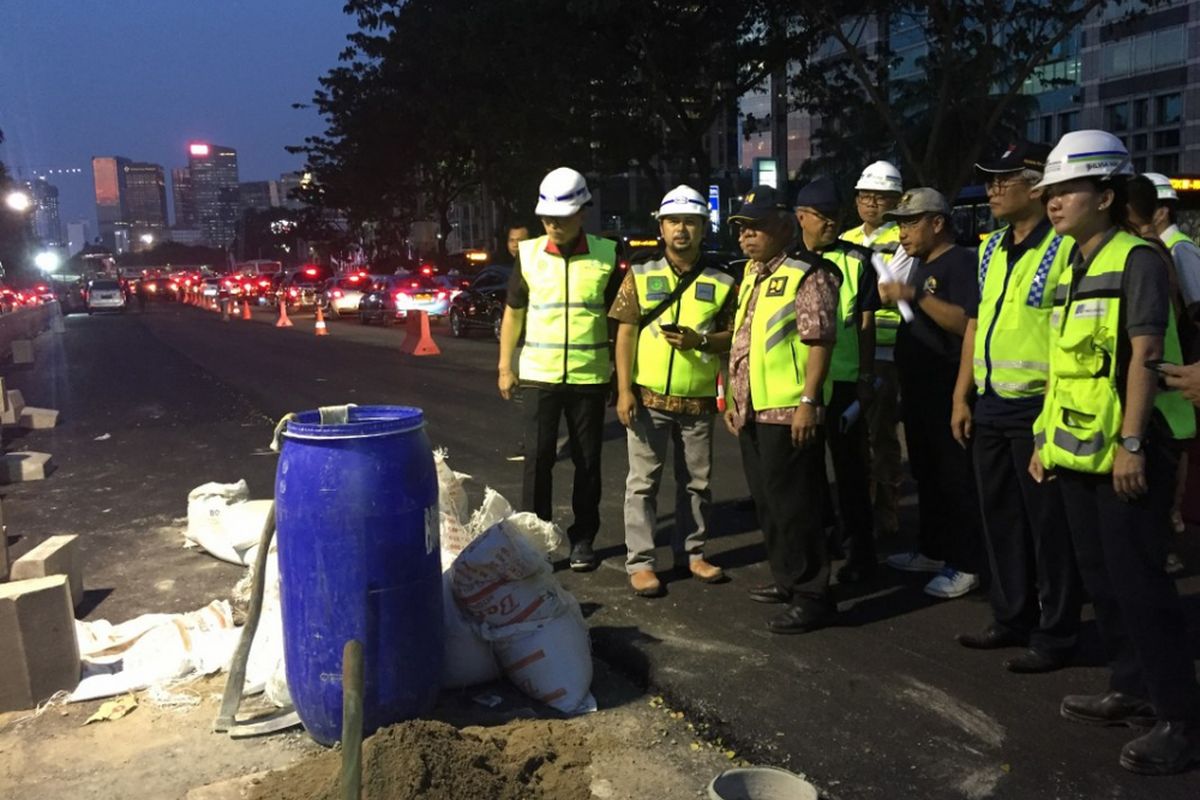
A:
[1041, 381]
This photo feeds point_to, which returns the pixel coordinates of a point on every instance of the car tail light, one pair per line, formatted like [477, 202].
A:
[174, 287]
[293, 293]
[264, 284]
[441, 295]
[401, 295]
[336, 293]
[150, 287]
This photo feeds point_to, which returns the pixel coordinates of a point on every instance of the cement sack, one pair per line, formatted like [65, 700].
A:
[153, 649]
[491, 577]
[454, 509]
[223, 521]
[550, 660]
[468, 656]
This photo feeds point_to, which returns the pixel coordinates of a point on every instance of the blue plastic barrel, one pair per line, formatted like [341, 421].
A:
[357, 532]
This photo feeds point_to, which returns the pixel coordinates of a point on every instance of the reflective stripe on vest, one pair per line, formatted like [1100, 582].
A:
[1012, 334]
[660, 367]
[566, 325]
[844, 364]
[777, 355]
[885, 242]
[1080, 424]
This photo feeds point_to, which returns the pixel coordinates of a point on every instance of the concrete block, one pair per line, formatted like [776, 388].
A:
[37, 636]
[25, 465]
[58, 555]
[22, 351]
[38, 418]
[11, 404]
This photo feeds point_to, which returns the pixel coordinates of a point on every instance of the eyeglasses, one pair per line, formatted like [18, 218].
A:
[868, 199]
[911, 222]
[1001, 185]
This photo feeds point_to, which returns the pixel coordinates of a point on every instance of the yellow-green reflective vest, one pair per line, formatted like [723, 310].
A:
[777, 355]
[658, 366]
[850, 261]
[1012, 334]
[886, 242]
[1176, 237]
[566, 323]
[1080, 424]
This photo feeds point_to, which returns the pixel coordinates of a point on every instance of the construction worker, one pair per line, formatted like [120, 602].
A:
[675, 316]
[561, 286]
[851, 371]
[1035, 593]
[877, 192]
[943, 294]
[1183, 250]
[784, 333]
[1110, 439]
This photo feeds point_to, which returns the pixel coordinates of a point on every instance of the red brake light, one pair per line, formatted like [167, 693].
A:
[264, 284]
[293, 292]
[401, 294]
[426, 270]
[441, 295]
[337, 292]
[355, 278]
[310, 271]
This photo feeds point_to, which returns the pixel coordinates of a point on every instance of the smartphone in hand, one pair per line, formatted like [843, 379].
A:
[670, 327]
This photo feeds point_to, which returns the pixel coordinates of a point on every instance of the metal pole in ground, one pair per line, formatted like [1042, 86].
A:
[352, 719]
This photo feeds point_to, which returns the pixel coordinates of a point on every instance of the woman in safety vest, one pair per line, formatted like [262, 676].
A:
[1111, 437]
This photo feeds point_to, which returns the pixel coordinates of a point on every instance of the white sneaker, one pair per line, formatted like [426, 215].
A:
[951, 583]
[914, 562]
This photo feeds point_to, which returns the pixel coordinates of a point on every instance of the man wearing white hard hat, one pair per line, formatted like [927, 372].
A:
[878, 191]
[675, 317]
[1111, 439]
[561, 286]
[1182, 248]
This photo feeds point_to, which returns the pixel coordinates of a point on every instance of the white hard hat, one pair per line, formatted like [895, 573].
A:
[1162, 185]
[683, 200]
[881, 176]
[563, 192]
[1086, 154]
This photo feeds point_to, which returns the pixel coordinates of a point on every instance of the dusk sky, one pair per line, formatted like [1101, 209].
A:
[142, 78]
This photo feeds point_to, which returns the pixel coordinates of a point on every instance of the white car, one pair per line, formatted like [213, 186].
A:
[105, 294]
[342, 295]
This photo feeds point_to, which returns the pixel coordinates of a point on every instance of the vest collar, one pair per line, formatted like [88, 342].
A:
[580, 248]
[1169, 231]
[1077, 260]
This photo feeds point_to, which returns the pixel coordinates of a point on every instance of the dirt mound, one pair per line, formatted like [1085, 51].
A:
[435, 761]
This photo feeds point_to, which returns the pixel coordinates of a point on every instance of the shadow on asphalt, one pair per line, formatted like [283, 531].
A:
[92, 598]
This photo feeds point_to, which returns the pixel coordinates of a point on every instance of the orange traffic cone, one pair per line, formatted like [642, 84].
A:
[283, 321]
[417, 339]
[321, 330]
[246, 309]
[225, 310]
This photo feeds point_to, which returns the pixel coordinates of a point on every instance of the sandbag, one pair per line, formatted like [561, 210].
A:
[468, 656]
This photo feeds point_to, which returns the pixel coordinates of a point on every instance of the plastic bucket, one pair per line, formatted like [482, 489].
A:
[760, 783]
[357, 532]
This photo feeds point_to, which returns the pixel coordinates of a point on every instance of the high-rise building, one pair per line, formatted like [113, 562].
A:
[78, 236]
[214, 173]
[146, 192]
[258, 195]
[45, 221]
[112, 205]
[288, 183]
[185, 201]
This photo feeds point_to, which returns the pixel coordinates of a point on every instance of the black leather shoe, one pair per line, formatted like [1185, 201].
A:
[801, 618]
[1168, 748]
[993, 638]
[1034, 661]
[769, 593]
[857, 572]
[1112, 708]
[583, 558]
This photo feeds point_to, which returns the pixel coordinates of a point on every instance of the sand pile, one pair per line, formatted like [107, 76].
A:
[434, 761]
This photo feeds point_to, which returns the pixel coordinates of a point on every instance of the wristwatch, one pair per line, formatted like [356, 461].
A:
[810, 401]
[703, 342]
[1134, 444]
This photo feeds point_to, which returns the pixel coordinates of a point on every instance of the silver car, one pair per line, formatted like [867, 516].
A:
[105, 294]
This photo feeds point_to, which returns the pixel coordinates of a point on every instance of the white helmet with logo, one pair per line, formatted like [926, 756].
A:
[563, 192]
[1086, 154]
[881, 176]
[683, 200]
[1162, 185]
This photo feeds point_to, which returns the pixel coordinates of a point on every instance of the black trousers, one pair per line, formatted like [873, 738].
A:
[788, 487]
[949, 526]
[1121, 548]
[1035, 585]
[850, 454]
[583, 410]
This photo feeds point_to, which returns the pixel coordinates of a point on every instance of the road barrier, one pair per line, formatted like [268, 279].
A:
[283, 321]
[418, 341]
[26, 323]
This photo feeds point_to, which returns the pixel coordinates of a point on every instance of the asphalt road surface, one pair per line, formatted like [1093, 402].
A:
[883, 705]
